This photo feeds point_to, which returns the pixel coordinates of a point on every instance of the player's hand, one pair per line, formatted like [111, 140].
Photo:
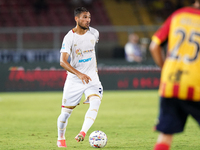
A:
[84, 78]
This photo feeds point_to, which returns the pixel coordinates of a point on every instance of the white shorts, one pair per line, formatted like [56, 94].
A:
[73, 91]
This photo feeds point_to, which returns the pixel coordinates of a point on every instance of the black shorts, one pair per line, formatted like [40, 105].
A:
[173, 114]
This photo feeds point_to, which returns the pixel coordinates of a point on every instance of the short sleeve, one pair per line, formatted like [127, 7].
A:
[97, 36]
[162, 33]
[67, 43]
[95, 32]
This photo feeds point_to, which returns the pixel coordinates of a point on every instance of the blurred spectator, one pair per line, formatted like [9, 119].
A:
[133, 51]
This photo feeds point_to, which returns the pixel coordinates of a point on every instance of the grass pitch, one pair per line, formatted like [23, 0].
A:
[28, 121]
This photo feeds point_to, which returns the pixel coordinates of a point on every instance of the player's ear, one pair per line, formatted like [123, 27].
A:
[76, 18]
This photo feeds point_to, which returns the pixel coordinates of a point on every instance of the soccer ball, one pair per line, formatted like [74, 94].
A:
[98, 139]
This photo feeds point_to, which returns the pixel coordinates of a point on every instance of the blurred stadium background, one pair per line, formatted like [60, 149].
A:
[31, 33]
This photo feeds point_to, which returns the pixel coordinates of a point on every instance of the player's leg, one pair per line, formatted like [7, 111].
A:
[91, 113]
[193, 108]
[185, 107]
[164, 141]
[93, 96]
[71, 98]
[90, 117]
[172, 118]
[61, 124]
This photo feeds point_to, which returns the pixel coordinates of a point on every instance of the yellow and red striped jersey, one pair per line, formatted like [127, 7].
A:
[180, 76]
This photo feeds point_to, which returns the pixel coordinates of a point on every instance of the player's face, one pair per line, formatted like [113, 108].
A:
[84, 20]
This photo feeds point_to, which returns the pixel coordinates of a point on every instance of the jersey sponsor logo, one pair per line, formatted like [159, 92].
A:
[78, 52]
[88, 51]
[63, 46]
[85, 60]
[176, 76]
[92, 41]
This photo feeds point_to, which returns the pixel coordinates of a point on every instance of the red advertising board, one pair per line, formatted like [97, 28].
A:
[112, 78]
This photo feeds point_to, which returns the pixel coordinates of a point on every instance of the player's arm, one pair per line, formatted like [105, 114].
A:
[157, 53]
[157, 40]
[64, 63]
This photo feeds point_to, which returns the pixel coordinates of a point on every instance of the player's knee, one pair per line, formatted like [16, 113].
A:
[65, 113]
[66, 110]
[95, 101]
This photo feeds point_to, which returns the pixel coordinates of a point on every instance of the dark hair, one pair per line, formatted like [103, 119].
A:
[79, 10]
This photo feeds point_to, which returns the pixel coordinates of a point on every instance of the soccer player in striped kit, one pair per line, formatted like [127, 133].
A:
[79, 44]
[180, 72]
